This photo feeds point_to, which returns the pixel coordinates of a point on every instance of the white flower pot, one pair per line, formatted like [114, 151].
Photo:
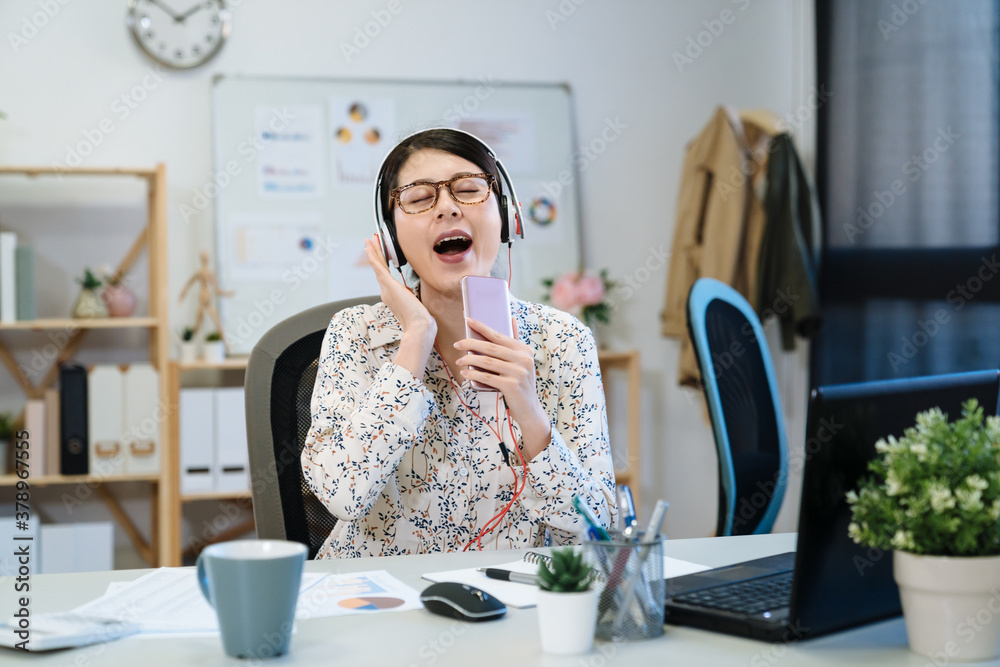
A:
[951, 605]
[189, 352]
[214, 351]
[566, 621]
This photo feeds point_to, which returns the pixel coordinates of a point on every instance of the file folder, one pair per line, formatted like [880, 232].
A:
[232, 471]
[104, 418]
[143, 420]
[197, 430]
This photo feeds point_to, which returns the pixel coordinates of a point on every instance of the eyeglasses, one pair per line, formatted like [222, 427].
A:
[466, 189]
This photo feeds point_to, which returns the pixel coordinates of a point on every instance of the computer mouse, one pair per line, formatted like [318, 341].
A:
[461, 601]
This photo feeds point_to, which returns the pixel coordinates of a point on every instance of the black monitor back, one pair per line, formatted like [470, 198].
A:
[839, 584]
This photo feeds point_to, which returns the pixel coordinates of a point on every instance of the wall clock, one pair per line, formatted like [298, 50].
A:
[180, 34]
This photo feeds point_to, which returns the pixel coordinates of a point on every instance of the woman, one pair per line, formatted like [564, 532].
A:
[406, 455]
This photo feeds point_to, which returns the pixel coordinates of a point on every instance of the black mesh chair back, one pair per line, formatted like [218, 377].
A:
[280, 376]
[743, 402]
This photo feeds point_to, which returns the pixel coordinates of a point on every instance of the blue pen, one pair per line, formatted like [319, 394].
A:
[591, 520]
[626, 506]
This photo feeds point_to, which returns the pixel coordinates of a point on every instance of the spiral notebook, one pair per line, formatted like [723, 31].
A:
[520, 596]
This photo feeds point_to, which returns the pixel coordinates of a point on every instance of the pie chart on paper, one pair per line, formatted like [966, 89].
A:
[370, 604]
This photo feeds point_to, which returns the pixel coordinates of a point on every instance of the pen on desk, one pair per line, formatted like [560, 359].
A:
[626, 505]
[588, 515]
[507, 575]
[656, 520]
[626, 510]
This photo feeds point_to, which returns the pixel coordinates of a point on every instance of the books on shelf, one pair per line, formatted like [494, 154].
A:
[17, 279]
[8, 270]
[24, 276]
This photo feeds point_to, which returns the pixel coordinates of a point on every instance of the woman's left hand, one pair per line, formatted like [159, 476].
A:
[508, 365]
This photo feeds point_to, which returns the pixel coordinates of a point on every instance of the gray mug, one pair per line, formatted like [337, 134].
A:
[253, 585]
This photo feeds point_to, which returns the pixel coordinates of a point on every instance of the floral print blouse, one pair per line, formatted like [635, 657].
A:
[407, 469]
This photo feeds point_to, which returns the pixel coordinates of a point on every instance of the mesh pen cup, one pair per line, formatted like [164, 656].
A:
[632, 590]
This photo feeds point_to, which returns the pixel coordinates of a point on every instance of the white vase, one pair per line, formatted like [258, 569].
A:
[566, 621]
[951, 605]
[213, 351]
[89, 305]
[189, 352]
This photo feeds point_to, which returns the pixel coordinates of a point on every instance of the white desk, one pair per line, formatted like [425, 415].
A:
[423, 639]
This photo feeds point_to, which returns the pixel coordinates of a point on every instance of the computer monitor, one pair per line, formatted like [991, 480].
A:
[844, 423]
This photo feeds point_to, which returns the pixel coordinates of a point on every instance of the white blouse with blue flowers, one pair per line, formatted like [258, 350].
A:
[407, 469]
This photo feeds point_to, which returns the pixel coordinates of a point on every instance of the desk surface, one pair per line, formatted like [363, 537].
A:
[418, 638]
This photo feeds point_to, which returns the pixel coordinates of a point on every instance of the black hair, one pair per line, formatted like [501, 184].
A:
[445, 139]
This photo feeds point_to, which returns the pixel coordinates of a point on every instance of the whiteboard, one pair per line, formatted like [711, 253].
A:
[294, 171]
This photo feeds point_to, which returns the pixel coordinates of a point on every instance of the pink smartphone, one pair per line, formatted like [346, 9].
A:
[487, 300]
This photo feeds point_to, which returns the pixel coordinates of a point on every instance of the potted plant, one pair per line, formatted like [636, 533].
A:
[583, 295]
[117, 297]
[934, 498]
[6, 438]
[89, 304]
[567, 604]
[189, 346]
[214, 349]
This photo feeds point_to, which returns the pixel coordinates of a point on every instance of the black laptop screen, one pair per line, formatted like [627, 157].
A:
[838, 583]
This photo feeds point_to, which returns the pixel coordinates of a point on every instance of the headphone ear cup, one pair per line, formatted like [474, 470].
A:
[504, 220]
[388, 246]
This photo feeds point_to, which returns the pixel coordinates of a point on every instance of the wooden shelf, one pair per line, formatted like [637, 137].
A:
[216, 495]
[79, 171]
[236, 363]
[162, 547]
[628, 361]
[81, 323]
[56, 480]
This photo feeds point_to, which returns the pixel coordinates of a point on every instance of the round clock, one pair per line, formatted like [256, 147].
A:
[179, 33]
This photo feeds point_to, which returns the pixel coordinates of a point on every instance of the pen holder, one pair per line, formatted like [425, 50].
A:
[630, 606]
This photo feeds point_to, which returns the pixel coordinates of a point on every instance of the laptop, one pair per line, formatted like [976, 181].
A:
[829, 583]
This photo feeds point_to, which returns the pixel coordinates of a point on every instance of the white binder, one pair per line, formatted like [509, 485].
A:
[104, 420]
[144, 416]
[197, 431]
[232, 471]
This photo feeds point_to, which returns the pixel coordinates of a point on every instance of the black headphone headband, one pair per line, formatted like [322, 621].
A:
[509, 215]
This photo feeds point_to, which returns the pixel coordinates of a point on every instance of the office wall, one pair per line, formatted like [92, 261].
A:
[645, 77]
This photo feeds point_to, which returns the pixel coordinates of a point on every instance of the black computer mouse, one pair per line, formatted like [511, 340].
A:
[461, 601]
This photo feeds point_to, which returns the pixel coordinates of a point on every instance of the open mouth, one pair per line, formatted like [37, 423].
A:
[453, 245]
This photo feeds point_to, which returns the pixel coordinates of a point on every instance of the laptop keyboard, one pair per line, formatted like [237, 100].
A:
[751, 596]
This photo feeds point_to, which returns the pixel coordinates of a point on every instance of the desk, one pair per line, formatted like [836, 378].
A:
[422, 639]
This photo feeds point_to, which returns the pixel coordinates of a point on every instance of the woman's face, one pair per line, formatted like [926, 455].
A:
[451, 240]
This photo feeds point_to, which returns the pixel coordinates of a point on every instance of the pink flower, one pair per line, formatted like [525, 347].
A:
[564, 293]
[589, 290]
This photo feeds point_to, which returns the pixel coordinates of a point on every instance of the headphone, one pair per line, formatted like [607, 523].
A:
[510, 216]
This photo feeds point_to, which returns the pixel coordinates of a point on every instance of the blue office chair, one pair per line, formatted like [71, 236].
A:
[743, 402]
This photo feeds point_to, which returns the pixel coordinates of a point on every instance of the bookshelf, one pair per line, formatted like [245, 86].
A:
[162, 545]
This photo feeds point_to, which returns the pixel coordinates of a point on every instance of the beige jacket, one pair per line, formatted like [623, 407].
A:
[720, 218]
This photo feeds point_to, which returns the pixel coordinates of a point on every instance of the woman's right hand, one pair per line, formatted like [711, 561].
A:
[401, 300]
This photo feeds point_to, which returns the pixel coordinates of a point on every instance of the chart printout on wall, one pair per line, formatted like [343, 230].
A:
[295, 162]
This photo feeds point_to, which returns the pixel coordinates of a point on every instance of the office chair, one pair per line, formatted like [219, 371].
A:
[743, 403]
[279, 382]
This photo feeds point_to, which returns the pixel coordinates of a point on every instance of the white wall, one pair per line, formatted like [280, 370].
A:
[618, 58]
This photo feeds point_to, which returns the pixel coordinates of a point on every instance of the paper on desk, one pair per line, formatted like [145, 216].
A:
[524, 595]
[510, 593]
[166, 600]
[357, 593]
